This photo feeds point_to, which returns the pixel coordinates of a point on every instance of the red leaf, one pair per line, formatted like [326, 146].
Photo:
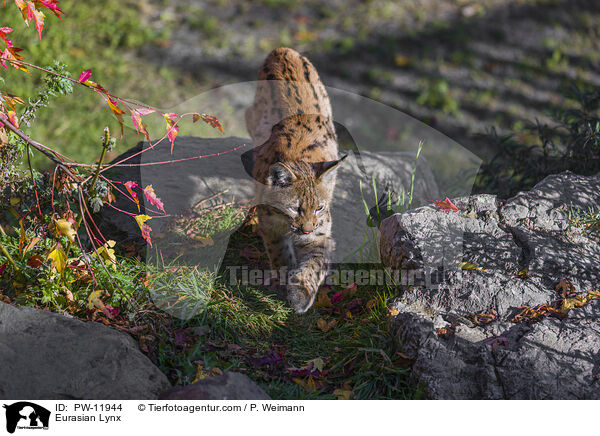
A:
[139, 125]
[10, 53]
[152, 198]
[85, 75]
[129, 186]
[337, 297]
[144, 111]
[5, 31]
[2, 268]
[35, 261]
[446, 205]
[52, 5]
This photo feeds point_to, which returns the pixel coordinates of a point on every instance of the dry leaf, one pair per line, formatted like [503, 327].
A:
[325, 326]
[317, 363]
[392, 311]
[468, 266]
[323, 299]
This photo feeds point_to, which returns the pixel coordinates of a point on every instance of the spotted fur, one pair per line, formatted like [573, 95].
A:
[295, 161]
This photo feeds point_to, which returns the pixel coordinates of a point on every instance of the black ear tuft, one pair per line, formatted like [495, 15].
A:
[281, 175]
[323, 170]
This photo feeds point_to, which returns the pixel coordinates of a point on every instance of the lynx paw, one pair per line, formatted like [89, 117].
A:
[300, 294]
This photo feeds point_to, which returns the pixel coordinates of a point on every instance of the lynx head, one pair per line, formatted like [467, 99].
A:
[302, 191]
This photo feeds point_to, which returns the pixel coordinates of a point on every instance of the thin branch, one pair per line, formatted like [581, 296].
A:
[39, 147]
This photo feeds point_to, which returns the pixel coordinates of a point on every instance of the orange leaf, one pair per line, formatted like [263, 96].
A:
[117, 111]
[209, 119]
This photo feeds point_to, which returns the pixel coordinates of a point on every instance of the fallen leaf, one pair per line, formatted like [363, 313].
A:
[317, 363]
[308, 384]
[446, 332]
[523, 274]
[392, 311]
[325, 326]
[204, 241]
[484, 318]
[401, 61]
[371, 303]
[322, 299]
[342, 394]
[565, 288]
[468, 266]
[446, 204]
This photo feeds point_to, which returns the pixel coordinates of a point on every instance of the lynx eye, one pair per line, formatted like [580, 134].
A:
[320, 208]
[294, 209]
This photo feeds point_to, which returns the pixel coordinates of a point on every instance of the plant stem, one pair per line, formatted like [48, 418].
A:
[7, 254]
[105, 145]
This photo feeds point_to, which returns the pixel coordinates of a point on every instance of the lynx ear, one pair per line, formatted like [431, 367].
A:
[281, 175]
[324, 170]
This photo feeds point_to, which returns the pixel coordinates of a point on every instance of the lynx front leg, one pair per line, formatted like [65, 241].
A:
[280, 250]
[304, 281]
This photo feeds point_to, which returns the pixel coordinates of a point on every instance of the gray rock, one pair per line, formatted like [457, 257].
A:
[228, 386]
[553, 358]
[181, 185]
[47, 356]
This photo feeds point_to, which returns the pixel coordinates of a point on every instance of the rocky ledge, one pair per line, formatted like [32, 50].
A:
[501, 297]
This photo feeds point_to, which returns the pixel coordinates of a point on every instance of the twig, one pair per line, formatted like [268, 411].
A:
[39, 147]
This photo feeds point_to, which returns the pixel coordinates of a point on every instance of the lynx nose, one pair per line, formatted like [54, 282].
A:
[307, 228]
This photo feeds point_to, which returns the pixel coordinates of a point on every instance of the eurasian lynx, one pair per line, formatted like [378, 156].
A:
[295, 161]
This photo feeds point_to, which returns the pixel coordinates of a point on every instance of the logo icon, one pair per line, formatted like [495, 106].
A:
[26, 415]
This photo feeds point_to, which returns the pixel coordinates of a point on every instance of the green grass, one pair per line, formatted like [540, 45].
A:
[360, 352]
